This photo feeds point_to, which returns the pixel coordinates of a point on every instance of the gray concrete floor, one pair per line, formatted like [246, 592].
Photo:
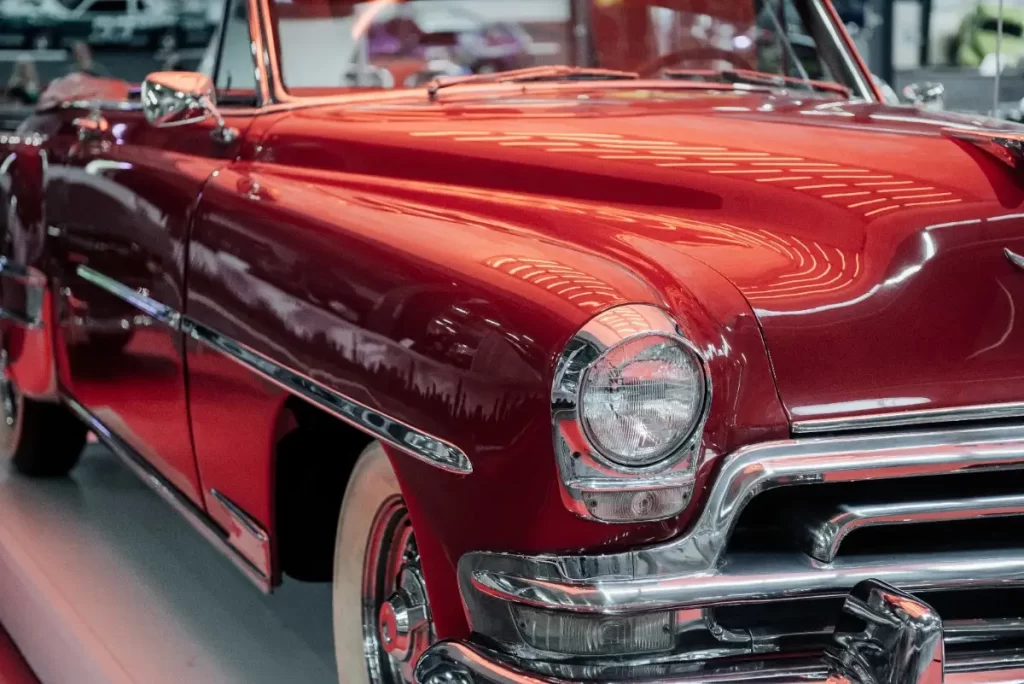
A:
[101, 582]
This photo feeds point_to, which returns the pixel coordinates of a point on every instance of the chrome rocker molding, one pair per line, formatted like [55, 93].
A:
[408, 439]
[932, 417]
[883, 636]
[246, 535]
[169, 493]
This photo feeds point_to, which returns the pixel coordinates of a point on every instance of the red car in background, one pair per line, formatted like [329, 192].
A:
[687, 360]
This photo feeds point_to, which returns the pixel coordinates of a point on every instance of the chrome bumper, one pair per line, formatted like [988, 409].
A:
[883, 636]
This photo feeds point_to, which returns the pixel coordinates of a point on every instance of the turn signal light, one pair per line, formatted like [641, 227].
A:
[587, 635]
[644, 504]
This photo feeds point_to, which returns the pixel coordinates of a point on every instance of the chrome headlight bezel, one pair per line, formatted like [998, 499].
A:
[587, 474]
[681, 445]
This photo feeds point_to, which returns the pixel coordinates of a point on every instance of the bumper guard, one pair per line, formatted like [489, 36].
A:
[884, 636]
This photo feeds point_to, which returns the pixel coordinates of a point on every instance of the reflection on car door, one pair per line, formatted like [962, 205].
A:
[129, 192]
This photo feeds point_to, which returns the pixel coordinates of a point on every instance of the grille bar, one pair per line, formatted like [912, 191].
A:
[821, 531]
[707, 570]
[758, 577]
[970, 631]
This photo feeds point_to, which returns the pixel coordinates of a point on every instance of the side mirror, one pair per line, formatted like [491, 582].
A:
[183, 98]
[926, 95]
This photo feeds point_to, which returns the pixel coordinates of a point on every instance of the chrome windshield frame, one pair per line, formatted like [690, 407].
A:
[267, 52]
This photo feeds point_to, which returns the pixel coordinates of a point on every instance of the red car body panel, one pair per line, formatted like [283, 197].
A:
[385, 218]
[816, 235]
[124, 207]
[430, 260]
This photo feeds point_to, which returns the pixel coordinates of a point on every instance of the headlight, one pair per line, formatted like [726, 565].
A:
[629, 401]
[642, 399]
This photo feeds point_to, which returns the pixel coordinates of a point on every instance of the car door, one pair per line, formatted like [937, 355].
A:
[128, 197]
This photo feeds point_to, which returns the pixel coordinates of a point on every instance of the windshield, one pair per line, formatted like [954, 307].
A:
[329, 44]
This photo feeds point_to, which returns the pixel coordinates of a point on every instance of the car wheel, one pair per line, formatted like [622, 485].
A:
[382, 619]
[40, 439]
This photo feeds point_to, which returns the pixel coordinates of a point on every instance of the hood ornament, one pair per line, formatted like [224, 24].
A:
[1015, 259]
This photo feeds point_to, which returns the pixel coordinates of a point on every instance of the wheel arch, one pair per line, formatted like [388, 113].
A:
[315, 453]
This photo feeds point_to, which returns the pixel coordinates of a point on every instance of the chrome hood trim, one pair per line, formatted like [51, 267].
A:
[876, 421]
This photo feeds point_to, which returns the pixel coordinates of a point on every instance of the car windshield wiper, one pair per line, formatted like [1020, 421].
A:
[753, 78]
[532, 74]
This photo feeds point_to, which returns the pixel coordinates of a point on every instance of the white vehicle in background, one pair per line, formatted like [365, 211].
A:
[38, 24]
[131, 23]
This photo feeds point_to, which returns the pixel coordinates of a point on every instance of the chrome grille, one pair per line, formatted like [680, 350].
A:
[787, 530]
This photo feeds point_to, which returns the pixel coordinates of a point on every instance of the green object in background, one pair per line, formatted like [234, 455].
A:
[977, 36]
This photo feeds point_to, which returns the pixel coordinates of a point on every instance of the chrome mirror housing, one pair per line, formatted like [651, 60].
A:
[183, 98]
[926, 95]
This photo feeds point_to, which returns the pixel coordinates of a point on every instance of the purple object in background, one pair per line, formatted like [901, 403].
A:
[447, 33]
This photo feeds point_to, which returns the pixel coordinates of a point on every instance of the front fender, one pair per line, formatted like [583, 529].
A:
[448, 312]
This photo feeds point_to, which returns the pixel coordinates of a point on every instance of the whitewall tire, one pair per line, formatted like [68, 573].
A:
[381, 617]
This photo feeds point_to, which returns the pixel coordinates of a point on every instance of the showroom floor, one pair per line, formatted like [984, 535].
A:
[13, 668]
[101, 582]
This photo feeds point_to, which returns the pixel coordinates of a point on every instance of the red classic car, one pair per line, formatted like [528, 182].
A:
[688, 361]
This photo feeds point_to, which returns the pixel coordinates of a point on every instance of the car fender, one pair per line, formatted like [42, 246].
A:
[409, 299]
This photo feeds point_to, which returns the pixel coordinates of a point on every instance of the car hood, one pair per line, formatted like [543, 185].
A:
[868, 240]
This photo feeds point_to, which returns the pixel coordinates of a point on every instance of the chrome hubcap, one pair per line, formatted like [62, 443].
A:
[404, 616]
[396, 614]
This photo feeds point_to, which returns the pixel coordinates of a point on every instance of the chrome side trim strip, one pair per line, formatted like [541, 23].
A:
[822, 531]
[240, 516]
[169, 493]
[692, 570]
[874, 421]
[246, 535]
[414, 442]
[138, 298]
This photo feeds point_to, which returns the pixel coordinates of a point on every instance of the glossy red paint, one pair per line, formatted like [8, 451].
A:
[398, 231]
[745, 185]
[828, 257]
[123, 203]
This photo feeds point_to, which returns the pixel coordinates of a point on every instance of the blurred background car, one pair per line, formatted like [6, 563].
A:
[154, 24]
[40, 24]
